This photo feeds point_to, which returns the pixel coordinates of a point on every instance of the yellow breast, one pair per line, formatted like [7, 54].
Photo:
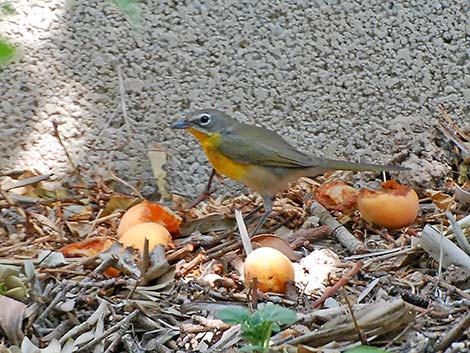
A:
[221, 163]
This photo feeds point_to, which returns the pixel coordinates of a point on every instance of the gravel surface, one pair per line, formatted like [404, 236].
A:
[358, 80]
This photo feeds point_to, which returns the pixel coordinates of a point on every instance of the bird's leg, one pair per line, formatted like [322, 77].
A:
[249, 215]
[208, 190]
[268, 207]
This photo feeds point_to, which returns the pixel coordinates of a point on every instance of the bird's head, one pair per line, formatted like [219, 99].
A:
[206, 121]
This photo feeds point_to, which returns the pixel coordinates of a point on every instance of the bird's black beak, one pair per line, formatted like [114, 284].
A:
[182, 124]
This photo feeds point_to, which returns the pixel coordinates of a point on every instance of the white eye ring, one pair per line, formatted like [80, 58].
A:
[205, 119]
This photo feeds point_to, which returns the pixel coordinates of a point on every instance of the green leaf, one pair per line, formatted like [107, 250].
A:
[366, 349]
[3, 288]
[233, 315]
[277, 313]
[8, 9]
[7, 51]
[257, 327]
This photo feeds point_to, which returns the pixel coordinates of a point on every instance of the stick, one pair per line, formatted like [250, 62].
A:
[463, 223]
[346, 239]
[298, 238]
[137, 192]
[461, 239]
[431, 240]
[444, 284]
[88, 324]
[25, 182]
[360, 333]
[126, 321]
[55, 124]
[454, 334]
[243, 232]
[188, 267]
[341, 283]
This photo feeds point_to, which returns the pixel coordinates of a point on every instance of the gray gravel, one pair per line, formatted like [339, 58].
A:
[358, 80]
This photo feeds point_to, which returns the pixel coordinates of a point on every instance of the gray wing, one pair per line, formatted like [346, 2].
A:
[262, 147]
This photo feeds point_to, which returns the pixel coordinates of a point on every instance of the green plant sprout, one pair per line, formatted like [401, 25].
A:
[7, 51]
[8, 8]
[258, 326]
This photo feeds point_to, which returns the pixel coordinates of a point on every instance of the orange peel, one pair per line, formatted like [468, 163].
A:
[395, 206]
[338, 196]
[147, 211]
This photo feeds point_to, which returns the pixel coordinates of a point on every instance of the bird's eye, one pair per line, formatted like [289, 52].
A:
[205, 119]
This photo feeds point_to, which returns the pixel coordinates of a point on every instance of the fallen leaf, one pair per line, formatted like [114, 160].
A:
[118, 202]
[77, 211]
[440, 199]
[158, 264]
[461, 195]
[208, 223]
[80, 229]
[276, 242]
[11, 318]
[50, 259]
[157, 157]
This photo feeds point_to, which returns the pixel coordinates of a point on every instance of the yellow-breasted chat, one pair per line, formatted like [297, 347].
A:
[258, 157]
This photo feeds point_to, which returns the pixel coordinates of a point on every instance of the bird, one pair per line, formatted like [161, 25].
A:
[258, 157]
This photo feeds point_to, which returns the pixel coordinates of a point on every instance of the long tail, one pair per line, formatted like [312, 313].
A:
[331, 164]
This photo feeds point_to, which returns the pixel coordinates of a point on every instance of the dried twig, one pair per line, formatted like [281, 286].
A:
[55, 124]
[223, 244]
[243, 232]
[346, 239]
[461, 239]
[188, 267]
[180, 253]
[212, 324]
[219, 254]
[298, 238]
[332, 290]
[396, 252]
[137, 192]
[437, 244]
[25, 182]
[58, 298]
[88, 324]
[454, 133]
[354, 321]
[454, 334]
[441, 282]
[374, 319]
[121, 325]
